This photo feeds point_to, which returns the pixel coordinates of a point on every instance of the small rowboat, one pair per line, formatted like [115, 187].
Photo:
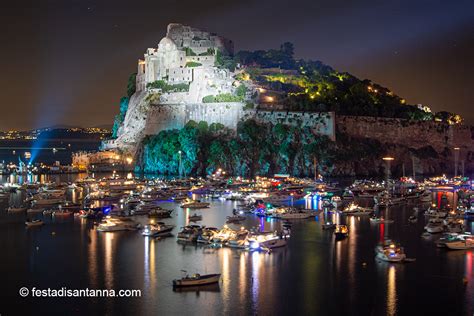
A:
[197, 279]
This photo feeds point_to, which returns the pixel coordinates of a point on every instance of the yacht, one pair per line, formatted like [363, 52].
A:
[462, 243]
[265, 241]
[194, 204]
[112, 224]
[223, 235]
[156, 230]
[240, 240]
[434, 226]
[354, 209]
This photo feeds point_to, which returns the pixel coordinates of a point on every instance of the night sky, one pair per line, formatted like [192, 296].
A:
[67, 62]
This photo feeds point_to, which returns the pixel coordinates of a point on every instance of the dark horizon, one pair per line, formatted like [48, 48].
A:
[68, 64]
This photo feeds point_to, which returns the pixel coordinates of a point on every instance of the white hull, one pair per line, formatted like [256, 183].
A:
[460, 245]
[274, 243]
[295, 216]
[396, 258]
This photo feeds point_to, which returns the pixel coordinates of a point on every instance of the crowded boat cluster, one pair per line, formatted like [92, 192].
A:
[115, 204]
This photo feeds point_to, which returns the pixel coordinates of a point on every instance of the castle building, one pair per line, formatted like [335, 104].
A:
[181, 53]
[175, 82]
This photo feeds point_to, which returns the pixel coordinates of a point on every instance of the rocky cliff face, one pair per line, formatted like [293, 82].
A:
[430, 147]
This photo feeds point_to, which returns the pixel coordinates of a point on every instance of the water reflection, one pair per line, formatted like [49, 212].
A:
[256, 262]
[470, 283]
[242, 278]
[108, 253]
[92, 258]
[391, 291]
[149, 263]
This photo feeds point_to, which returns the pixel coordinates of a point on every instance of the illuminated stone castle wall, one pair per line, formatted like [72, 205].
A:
[169, 116]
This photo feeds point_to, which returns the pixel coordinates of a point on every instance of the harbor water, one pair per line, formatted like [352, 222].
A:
[312, 275]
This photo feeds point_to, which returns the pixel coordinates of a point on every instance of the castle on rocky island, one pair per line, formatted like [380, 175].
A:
[187, 77]
[183, 79]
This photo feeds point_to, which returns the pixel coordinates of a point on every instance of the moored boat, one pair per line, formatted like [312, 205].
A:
[390, 252]
[197, 280]
[341, 232]
[34, 222]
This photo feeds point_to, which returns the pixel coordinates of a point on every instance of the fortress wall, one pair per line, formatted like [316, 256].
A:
[170, 116]
[228, 114]
[410, 133]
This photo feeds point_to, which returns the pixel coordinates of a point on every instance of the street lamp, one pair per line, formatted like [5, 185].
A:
[456, 158]
[179, 166]
[388, 161]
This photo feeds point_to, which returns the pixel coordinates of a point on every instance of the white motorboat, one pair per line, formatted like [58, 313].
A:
[112, 224]
[156, 230]
[434, 226]
[356, 210]
[240, 240]
[390, 252]
[265, 241]
[461, 243]
[273, 243]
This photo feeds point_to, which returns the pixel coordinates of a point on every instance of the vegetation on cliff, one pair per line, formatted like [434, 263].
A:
[121, 116]
[255, 149]
[166, 87]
